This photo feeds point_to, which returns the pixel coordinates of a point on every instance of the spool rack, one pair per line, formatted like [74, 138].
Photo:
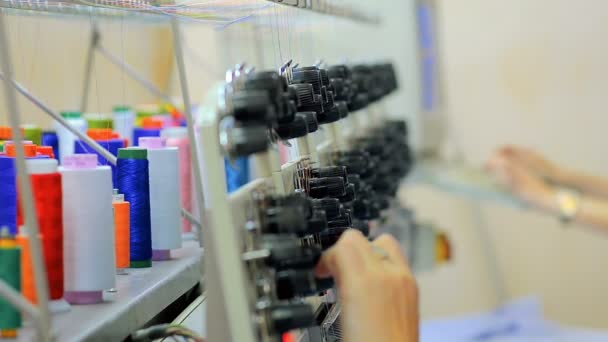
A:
[147, 292]
[140, 296]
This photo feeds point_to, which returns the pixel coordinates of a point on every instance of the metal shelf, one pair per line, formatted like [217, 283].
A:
[140, 296]
[207, 11]
[463, 180]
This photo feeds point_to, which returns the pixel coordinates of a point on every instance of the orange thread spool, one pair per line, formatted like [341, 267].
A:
[152, 123]
[102, 134]
[11, 151]
[122, 225]
[28, 284]
[6, 133]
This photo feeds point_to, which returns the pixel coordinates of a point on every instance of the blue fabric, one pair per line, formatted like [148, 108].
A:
[520, 320]
[237, 173]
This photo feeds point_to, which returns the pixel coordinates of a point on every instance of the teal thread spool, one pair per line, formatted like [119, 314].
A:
[10, 273]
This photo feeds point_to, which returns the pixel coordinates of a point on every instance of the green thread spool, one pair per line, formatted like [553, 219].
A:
[101, 123]
[10, 273]
[1, 146]
[33, 133]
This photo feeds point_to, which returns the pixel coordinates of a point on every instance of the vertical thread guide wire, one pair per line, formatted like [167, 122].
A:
[26, 187]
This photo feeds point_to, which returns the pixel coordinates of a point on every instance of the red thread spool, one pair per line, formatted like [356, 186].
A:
[45, 151]
[48, 197]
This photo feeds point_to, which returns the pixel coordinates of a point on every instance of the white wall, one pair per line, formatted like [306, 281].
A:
[533, 73]
[48, 53]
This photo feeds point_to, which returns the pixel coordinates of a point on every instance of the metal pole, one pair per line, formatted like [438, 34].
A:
[188, 216]
[151, 87]
[31, 218]
[89, 68]
[198, 180]
[20, 303]
[45, 108]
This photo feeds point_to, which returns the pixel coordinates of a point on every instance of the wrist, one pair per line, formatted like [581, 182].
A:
[546, 200]
[561, 176]
[569, 203]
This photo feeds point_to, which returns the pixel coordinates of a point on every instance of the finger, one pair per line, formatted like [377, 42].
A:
[347, 258]
[392, 248]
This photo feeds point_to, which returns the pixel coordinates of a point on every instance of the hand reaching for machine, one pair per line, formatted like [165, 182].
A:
[378, 292]
[531, 160]
[522, 180]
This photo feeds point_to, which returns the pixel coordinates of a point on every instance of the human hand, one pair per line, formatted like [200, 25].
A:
[532, 160]
[522, 181]
[378, 293]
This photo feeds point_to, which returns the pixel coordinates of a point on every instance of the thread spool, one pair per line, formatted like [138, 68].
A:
[10, 273]
[8, 194]
[151, 128]
[112, 145]
[144, 111]
[165, 120]
[51, 140]
[67, 138]
[46, 151]
[122, 226]
[124, 121]
[99, 121]
[178, 137]
[165, 206]
[31, 152]
[6, 133]
[133, 182]
[88, 234]
[11, 150]
[48, 196]
[32, 133]
[28, 283]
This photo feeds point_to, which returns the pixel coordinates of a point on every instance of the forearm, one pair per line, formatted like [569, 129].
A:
[585, 183]
[593, 212]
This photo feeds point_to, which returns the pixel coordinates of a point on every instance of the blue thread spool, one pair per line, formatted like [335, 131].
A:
[237, 173]
[51, 139]
[8, 194]
[140, 132]
[133, 181]
[113, 145]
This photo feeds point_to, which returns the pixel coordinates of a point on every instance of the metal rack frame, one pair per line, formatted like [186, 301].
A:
[145, 10]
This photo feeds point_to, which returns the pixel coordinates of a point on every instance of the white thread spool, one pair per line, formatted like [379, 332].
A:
[124, 122]
[67, 138]
[165, 196]
[90, 261]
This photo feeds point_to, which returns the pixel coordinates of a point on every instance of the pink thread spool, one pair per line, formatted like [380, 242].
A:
[178, 137]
